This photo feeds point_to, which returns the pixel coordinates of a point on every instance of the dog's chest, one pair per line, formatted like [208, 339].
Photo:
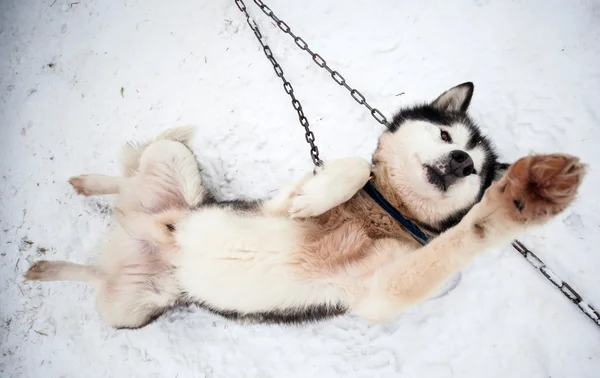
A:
[362, 213]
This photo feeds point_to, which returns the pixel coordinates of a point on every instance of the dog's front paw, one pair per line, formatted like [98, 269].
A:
[335, 184]
[537, 187]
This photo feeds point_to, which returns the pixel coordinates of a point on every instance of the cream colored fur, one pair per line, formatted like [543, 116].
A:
[132, 274]
[247, 262]
[168, 246]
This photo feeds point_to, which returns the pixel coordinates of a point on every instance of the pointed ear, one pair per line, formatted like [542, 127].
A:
[455, 99]
[500, 170]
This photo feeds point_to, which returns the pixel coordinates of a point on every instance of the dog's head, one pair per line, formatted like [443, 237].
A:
[437, 160]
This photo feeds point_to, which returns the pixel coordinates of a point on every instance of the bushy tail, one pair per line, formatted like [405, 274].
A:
[130, 158]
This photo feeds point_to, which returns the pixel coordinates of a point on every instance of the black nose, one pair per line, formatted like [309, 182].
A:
[461, 164]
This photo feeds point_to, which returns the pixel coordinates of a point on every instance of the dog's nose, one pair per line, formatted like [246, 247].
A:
[461, 164]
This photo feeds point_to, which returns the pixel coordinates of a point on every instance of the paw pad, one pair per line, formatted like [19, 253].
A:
[542, 185]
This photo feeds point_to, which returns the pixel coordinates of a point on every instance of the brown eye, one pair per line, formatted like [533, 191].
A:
[445, 136]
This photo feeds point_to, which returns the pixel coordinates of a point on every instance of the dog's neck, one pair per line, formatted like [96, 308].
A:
[375, 221]
[409, 225]
[385, 187]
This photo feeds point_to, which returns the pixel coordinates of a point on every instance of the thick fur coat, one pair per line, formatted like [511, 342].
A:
[320, 247]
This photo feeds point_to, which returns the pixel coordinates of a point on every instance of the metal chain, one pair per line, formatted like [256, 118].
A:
[287, 86]
[564, 287]
[535, 261]
[319, 61]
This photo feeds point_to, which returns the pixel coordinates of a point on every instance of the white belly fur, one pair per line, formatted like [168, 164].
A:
[243, 262]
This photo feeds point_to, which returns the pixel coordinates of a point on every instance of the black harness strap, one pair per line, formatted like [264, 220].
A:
[406, 223]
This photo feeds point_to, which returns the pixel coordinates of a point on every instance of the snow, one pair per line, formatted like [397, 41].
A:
[536, 68]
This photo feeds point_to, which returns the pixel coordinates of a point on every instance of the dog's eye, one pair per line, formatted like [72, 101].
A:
[445, 136]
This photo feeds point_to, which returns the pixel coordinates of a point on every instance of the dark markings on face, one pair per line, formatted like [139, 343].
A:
[433, 115]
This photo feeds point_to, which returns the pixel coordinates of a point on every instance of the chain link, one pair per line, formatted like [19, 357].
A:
[287, 86]
[531, 257]
[321, 62]
[564, 287]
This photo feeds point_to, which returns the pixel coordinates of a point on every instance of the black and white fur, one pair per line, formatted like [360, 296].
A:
[172, 244]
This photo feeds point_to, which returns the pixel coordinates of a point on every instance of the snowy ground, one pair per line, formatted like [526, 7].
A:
[78, 78]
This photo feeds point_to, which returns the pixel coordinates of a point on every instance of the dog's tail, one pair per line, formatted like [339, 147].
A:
[45, 270]
[130, 157]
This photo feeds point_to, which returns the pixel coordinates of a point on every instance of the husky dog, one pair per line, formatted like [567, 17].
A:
[322, 246]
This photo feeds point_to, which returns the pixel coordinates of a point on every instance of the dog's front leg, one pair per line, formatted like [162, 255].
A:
[333, 184]
[535, 189]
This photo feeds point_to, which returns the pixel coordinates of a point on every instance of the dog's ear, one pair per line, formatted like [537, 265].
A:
[456, 99]
[500, 170]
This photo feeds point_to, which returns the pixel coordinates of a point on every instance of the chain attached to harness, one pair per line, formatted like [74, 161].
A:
[287, 86]
[319, 61]
[535, 261]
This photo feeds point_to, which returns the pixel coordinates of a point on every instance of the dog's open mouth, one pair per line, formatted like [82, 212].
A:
[436, 178]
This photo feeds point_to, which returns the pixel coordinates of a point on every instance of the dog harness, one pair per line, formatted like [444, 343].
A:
[406, 223]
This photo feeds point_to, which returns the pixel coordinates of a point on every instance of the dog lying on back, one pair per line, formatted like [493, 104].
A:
[320, 247]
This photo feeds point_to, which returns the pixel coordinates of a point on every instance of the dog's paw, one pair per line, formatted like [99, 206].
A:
[79, 183]
[39, 271]
[307, 202]
[537, 187]
[335, 184]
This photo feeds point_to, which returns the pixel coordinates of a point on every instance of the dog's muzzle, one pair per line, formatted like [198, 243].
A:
[447, 171]
[461, 164]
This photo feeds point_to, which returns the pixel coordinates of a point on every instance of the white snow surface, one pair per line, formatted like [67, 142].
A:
[536, 69]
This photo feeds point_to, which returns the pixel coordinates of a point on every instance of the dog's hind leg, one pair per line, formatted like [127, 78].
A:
[162, 191]
[129, 298]
[133, 302]
[45, 270]
[130, 157]
[169, 178]
[97, 185]
[139, 287]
